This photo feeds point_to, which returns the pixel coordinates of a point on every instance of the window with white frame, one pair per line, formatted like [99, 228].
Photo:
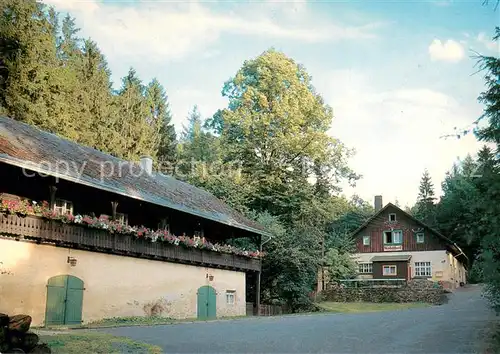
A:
[230, 297]
[366, 240]
[63, 207]
[365, 268]
[394, 237]
[392, 217]
[423, 269]
[420, 237]
[389, 270]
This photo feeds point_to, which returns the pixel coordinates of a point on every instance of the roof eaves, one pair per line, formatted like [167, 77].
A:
[370, 219]
[391, 258]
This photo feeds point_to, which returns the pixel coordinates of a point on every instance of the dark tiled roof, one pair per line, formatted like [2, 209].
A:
[28, 147]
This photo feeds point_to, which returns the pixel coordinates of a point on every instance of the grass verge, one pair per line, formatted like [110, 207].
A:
[491, 344]
[359, 307]
[132, 321]
[145, 321]
[98, 343]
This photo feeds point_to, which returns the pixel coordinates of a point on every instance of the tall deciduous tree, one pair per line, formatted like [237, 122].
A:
[276, 124]
[340, 265]
[276, 127]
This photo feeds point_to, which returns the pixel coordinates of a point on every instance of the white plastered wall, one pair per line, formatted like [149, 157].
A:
[115, 286]
[444, 266]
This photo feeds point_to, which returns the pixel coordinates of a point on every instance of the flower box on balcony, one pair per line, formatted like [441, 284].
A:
[43, 230]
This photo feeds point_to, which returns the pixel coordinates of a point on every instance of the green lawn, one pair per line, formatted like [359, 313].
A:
[98, 343]
[358, 307]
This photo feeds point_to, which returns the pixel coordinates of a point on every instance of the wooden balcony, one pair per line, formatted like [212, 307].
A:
[73, 236]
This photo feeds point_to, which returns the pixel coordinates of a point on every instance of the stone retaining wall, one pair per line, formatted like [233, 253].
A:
[414, 291]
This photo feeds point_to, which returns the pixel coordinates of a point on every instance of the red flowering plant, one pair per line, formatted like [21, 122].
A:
[49, 214]
[21, 207]
[142, 232]
[25, 207]
[66, 218]
[204, 244]
[116, 227]
[86, 220]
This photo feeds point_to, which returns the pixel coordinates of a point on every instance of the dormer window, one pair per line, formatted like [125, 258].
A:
[392, 217]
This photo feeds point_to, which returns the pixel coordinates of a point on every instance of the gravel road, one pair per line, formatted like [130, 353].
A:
[456, 327]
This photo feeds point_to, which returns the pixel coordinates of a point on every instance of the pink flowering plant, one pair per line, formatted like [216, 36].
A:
[21, 207]
[25, 207]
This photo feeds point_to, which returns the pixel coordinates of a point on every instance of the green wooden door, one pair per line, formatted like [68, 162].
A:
[74, 301]
[64, 300]
[206, 303]
[56, 298]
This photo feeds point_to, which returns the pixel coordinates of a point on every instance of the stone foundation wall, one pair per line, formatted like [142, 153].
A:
[414, 291]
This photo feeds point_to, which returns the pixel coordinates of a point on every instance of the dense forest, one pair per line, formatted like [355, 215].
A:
[267, 154]
[468, 212]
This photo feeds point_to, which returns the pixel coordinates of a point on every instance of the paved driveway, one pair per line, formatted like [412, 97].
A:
[456, 327]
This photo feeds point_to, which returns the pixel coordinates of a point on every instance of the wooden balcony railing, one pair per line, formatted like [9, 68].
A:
[49, 231]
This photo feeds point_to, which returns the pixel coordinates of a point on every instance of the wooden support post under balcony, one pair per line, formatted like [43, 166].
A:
[114, 206]
[53, 190]
[257, 286]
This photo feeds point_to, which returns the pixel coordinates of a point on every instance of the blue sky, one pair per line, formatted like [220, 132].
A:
[398, 74]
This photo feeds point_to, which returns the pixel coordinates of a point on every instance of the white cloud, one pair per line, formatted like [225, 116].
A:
[450, 50]
[481, 42]
[396, 133]
[184, 98]
[483, 39]
[158, 31]
[211, 54]
[290, 9]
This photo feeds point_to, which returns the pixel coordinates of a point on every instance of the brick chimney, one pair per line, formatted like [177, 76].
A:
[378, 203]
